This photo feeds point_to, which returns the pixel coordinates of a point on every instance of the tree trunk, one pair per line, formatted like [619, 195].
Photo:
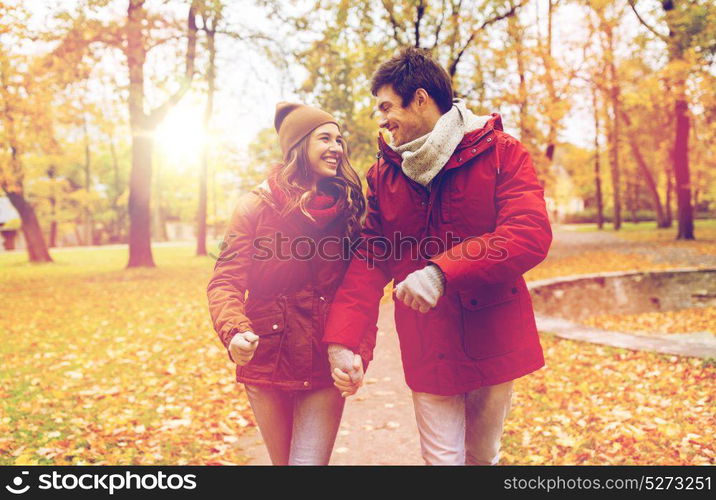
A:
[646, 175]
[614, 131]
[208, 111]
[53, 206]
[551, 90]
[53, 226]
[634, 195]
[681, 172]
[143, 125]
[159, 225]
[36, 248]
[669, 191]
[140, 249]
[614, 164]
[214, 204]
[597, 175]
[89, 236]
[119, 211]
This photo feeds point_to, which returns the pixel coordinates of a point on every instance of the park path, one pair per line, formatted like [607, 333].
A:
[378, 426]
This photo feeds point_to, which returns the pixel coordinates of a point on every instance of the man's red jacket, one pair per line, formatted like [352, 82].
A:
[484, 223]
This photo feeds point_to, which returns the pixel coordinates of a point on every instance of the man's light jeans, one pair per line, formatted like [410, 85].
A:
[464, 429]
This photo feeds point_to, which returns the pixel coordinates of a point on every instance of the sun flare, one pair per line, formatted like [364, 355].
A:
[181, 135]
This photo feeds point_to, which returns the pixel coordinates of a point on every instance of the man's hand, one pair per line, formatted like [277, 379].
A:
[346, 369]
[344, 382]
[421, 289]
[243, 346]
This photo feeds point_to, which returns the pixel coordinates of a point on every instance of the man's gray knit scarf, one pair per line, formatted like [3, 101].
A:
[425, 156]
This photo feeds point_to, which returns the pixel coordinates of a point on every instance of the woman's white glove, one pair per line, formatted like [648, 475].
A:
[421, 289]
[346, 369]
[243, 346]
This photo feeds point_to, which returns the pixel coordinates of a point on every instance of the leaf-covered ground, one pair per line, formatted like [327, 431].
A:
[106, 366]
[692, 319]
[600, 405]
[101, 365]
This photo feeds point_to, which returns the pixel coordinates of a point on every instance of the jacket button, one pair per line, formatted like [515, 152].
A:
[459, 159]
[422, 203]
[474, 150]
[514, 290]
[306, 383]
[275, 326]
[489, 139]
[378, 155]
[473, 302]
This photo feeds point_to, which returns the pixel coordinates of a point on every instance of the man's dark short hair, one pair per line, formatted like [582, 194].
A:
[412, 69]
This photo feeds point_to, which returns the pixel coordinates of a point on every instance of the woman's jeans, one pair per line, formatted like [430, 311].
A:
[298, 427]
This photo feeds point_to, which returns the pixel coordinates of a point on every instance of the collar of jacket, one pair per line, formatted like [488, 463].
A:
[472, 144]
[263, 190]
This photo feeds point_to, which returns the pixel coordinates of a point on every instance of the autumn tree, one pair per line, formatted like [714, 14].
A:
[139, 33]
[215, 27]
[25, 124]
[688, 31]
[357, 36]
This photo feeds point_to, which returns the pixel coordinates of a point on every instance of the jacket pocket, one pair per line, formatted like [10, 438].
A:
[270, 329]
[491, 320]
[268, 324]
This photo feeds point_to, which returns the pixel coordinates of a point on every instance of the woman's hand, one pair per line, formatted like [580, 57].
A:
[243, 346]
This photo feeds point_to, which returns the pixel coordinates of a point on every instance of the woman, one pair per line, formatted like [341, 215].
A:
[283, 247]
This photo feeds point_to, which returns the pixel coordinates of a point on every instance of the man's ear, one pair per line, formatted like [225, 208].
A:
[421, 97]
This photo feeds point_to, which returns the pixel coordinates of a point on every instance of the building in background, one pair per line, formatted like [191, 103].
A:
[10, 225]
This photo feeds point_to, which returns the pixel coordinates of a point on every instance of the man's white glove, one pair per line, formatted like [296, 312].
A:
[243, 346]
[346, 369]
[421, 289]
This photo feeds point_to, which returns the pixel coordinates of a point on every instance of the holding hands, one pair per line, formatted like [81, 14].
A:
[346, 369]
[421, 289]
[243, 346]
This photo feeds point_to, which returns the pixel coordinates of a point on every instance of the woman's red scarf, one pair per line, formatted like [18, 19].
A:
[324, 207]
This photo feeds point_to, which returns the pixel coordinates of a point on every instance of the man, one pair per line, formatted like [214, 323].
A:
[455, 216]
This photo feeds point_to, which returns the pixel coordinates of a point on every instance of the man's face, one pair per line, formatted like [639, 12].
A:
[404, 123]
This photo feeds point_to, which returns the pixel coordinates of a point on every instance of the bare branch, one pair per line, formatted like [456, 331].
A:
[641, 20]
[420, 11]
[440, 24]
[239, 36]
[158, 113]
[393, 22]
[485, 23]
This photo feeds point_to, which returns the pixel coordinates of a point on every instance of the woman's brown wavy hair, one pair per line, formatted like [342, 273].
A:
[293, 178]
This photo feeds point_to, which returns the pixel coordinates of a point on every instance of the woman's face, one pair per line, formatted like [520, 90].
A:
[325, 151]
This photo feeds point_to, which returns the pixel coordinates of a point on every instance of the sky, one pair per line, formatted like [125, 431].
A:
[249, 85]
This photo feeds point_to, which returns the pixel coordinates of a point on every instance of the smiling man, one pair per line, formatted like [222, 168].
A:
[462, 197]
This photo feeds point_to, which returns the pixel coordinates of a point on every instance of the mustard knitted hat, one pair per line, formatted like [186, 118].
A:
[295, 121]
